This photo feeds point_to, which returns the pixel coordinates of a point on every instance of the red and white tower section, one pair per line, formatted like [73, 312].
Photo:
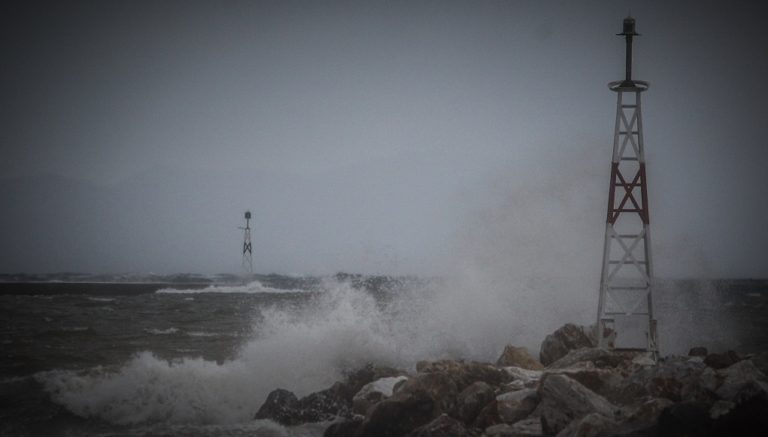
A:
[625, 307]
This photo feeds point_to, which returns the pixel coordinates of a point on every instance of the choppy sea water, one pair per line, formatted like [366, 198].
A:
[143, 360]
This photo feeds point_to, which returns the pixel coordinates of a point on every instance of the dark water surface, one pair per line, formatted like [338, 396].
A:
[124, 359]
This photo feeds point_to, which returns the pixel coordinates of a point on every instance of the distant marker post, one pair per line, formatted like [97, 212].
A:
[247, 263]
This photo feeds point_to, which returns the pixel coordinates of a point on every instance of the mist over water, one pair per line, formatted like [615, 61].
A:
[303, 348]
[310, 343]
[513, 274]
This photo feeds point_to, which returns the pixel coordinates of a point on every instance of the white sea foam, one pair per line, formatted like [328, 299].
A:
[299, 348]
[74, 328]
[252, 287]
[201, 334]
[156, 331]
[101, 299]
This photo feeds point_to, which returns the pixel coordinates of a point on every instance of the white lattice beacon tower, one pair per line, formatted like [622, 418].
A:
[625, 307]
[247, 251]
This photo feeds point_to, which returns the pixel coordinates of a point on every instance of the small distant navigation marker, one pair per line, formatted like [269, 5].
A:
[247, 250]
[625, 308]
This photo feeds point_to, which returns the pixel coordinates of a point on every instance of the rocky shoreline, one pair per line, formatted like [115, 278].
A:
[573, 389]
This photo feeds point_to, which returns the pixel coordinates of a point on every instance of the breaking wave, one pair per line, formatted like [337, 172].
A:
[302, 348]
[252, 287]
[156, 331]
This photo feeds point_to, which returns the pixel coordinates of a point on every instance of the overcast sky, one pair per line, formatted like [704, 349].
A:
[388, 136]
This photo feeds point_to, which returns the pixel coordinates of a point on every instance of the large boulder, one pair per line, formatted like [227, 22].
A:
[280, 407]
[323, 406]
[398, 415]
[675, 378]
[499, 430]
[746, 416]
[563, 340]
[443, 426]
[283, 407]
[604, 382]
[517, 405]
[488, 416]
[591, 425]
[698, 351]
[518, 357]
[723, 360]
[743, 375]
[593, 357]
[761, 361]
[375, 392]
[564, 400]
[356, 379]
[645, 413]
[471, 400]
[525, 428]
[526, 378]
[440, 387]
[464, 373]
[345, 428]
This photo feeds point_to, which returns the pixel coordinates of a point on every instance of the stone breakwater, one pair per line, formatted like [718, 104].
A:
[573, 389]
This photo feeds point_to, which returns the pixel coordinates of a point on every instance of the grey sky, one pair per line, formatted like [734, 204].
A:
[373, 136]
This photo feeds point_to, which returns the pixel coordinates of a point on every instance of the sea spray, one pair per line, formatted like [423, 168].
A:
[251, 287]
[306, 344]
[303, 349]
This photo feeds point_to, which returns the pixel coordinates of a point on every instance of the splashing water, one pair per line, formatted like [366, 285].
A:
[302, 348]
[306, 347]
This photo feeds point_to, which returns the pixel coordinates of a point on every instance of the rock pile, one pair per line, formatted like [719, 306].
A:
[575, 390]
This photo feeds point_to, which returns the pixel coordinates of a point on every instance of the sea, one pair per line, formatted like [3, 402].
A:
[90, 356]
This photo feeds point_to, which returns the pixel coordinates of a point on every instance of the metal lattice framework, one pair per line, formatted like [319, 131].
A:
[247, 249]
[625, 306]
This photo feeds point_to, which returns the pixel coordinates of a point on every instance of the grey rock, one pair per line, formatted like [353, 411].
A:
[398, 415]
[739, 377]
[601, 381]
[591, 425]
[375, 392]
[528, 378]
[465, 373]
[442, 426]
[440, 387]
[499, 430]
[646, 412]
[523, 428]
[530, 427]
[471, 400]
[280, 407]
[515, 406]
[723, 360]
[346, 428]
[283, 407]
[563, 400]
[698, 351]
[488, 416]
[600, 358]
[518, 357]
[674, 378]
[563, 340]
[744, 417]
[356, 379]
[322, 406]
[761, 361]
